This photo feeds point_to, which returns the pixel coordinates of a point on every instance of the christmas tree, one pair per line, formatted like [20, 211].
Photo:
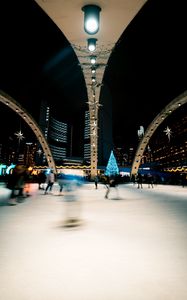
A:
[112, 167]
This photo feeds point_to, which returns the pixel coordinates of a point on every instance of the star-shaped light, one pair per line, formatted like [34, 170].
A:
[168, 132]
[39, 152]
[19, 135]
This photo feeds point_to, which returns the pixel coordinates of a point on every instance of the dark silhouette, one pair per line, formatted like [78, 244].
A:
[96, 180]
[139, 181]
[16, 183]
[184, 179]
[150, 180]
[60, 178]
[41, 180]
[111, 182]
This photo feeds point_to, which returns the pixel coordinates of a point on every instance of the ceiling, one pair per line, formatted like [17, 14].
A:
[114, 18]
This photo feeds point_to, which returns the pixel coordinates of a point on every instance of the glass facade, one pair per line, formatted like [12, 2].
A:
[170, 150]
[87, 152]
[56, 133]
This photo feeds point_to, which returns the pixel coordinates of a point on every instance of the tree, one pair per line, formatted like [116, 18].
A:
[112, 167]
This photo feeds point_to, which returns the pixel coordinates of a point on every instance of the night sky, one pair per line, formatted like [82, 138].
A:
[145, 71]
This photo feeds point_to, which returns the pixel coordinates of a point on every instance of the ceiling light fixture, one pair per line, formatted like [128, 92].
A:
[92, 44]
[93, 70]
[91, 18]
[93, 60]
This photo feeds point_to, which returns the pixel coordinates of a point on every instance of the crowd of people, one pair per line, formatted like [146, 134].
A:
[21, 177]
[18, 182]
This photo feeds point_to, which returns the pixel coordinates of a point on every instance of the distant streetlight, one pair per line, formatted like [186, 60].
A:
[141, 132]
[91, 18]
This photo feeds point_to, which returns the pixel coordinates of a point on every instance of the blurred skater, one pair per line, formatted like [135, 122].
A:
[71, 185]
[139, 181]
[107, 185]
[150, 180]
[41, 180]
[60, 182]
[96, 180]
[16, 183]
[50, 181]
[111, 182]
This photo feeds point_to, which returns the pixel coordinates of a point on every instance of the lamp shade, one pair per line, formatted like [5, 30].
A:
[92, 44]
[91, 18]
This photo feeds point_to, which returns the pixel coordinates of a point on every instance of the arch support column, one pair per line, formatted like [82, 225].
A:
[93, 92]
[170, 108]
[15, 106]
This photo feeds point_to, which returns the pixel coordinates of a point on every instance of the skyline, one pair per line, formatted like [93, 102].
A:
[144, 71]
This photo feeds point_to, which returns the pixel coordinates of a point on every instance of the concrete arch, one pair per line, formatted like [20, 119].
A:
[71, 24]
[171, 107]
[15, 106]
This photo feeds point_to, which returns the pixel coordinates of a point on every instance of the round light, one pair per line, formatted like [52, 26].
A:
[93, 70]
[91, 26]
[91, 48]
[93, 60]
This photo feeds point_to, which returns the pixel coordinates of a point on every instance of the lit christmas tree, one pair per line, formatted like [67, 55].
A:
[112, 167]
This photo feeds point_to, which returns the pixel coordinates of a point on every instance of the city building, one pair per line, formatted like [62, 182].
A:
[168, 146]
[30, 153]
[56, 133]
[58, 138]
[87, 152]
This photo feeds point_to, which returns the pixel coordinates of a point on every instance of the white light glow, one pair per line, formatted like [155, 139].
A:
[168, 132]
[91, 26]
[19, 135]
[91, 47]
[93, 60]
[91, 18]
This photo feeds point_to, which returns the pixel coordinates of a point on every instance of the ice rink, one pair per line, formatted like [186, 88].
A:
[132, 246]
